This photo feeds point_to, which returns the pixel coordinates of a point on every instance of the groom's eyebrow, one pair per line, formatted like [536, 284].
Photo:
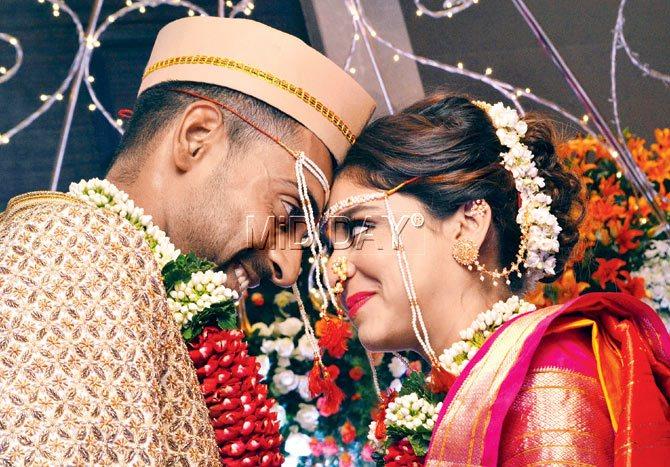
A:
[312, 199]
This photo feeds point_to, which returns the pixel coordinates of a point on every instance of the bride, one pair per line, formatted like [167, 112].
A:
[440, 218]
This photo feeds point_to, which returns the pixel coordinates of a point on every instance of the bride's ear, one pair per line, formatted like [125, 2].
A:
[472, 222]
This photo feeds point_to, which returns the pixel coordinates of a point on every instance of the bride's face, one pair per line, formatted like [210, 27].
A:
[374, 295]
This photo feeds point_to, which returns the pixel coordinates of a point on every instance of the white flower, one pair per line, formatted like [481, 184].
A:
[263, 329]
[304, 349]
[297, 444]
[284, 347]
[283, 362]
[303, 388]
[308, 417]
[281, 413]
[656, 275]
[268, 346]
[289, 327]
[283, 298]
[264, 361]
[397, 367]
[285, 381]
[395, 385]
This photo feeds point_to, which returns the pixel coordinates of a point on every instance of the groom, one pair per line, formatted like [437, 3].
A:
[92, 366]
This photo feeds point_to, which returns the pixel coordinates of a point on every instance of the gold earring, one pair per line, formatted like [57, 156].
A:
[478, 208]
[465, 252]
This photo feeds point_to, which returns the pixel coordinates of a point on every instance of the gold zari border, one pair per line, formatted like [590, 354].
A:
[258, 73]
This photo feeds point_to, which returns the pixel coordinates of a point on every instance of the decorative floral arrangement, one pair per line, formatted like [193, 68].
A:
[620, 248]
[325, 427]
[245, 427]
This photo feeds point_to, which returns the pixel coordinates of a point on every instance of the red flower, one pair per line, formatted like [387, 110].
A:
[608, 270]
[321, 382]
[333, 334]
[356, 373]
[348, 432]
[631, 285]
[246, 430]
[379, 414]
[402, 455]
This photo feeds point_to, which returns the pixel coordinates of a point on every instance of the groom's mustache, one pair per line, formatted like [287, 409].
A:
[254, 262]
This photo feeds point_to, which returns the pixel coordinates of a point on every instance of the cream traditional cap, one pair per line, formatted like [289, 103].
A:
[268, 64]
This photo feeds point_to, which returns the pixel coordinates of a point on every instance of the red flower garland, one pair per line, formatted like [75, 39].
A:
[246, 430]
[321, 382]
[402, 455]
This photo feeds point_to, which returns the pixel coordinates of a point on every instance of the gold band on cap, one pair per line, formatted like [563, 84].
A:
[258, 73]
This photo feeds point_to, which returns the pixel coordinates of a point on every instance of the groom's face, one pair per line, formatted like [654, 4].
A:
[245, 212]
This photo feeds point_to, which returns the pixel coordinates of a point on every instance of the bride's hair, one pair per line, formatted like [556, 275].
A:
[452, 145]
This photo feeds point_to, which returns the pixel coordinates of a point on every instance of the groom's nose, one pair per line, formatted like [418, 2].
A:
[285, 266]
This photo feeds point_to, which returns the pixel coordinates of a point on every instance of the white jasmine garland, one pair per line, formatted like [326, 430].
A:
[189, 298]
[534, 213]
[455, 358]
[412, 412]
[203, 290]
[103, 194]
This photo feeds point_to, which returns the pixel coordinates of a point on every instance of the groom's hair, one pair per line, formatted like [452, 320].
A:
[159, 105]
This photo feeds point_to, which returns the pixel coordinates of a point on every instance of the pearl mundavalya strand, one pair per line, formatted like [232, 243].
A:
[455, 358]
[203, 290]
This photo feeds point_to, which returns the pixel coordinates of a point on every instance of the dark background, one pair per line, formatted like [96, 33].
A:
[489, 34]
[49, 45]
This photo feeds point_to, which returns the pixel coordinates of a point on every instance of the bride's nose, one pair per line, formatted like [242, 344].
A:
[339, 269]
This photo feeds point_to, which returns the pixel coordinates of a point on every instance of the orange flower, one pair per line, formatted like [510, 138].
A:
[608, 270]
[568, 287]
[257, 299]
[631, 285]
[626, 238]
[348, 432]
[603, 210]
[538, 298]
[610, 187]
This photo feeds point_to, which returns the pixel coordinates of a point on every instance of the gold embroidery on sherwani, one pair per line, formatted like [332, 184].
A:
[558, 418]
[93, 369]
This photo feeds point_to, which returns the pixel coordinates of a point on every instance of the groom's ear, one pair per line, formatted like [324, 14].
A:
[199, 130]
[473, 220]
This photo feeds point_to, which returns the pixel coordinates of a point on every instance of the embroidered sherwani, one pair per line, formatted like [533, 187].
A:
[93, 369]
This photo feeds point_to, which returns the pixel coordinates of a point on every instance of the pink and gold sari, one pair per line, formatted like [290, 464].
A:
[587, 382]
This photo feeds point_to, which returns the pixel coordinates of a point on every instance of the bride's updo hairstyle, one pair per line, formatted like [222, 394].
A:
[452, 145]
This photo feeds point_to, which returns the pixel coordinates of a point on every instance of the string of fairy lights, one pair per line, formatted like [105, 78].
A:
[87, 44]
[363, 29]
[364, 33]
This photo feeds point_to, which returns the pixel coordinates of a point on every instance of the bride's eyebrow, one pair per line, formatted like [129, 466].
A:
[353, 210]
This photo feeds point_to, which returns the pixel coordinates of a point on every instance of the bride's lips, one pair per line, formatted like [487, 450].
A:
[356, 301]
